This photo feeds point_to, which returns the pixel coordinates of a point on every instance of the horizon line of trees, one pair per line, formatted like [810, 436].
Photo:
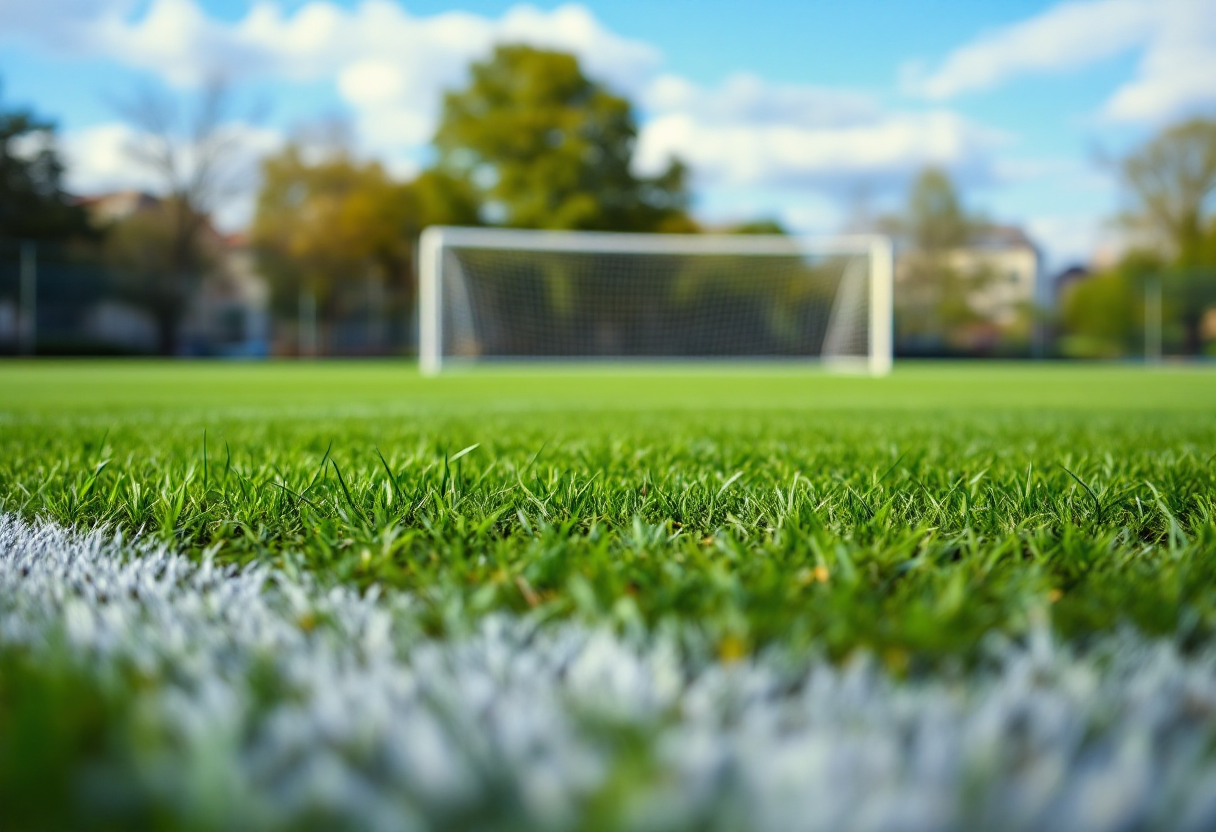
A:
[529, 142]
[532, 142]
[1159, 296]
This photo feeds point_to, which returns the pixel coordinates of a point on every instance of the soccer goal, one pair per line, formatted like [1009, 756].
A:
[487, 294]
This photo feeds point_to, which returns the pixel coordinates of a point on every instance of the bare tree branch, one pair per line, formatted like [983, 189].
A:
[193, 149]
[1172, 181]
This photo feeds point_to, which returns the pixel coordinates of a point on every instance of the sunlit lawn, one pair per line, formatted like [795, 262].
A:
[911, 514]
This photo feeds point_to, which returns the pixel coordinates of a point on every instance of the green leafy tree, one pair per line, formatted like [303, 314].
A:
[765, 226]
[1172, 181]
[1172, 184]
[33, 204]
[547, 147]
[1104, 315]
[445, 200]
[933, 300]
[935, 220]
[1101, 316]
[319, 225]
[1207, 246]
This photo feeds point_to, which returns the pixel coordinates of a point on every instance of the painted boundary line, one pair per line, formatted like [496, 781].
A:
[512, 725]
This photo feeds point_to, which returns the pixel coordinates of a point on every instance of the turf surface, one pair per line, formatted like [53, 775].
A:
[140, 689]
[908, 516]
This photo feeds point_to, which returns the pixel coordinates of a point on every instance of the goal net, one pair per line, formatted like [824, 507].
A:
[509, 294]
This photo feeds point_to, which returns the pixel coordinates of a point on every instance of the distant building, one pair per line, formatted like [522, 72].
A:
[1008, 264]
[104, 209]
[1064, 282]
[996, 276]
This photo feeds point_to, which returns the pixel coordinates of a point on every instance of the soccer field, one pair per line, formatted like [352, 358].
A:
[654, 597]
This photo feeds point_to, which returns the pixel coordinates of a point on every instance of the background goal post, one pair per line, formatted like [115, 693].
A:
[493, 293]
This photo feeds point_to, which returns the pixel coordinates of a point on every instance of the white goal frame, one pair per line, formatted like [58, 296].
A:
[436, 240]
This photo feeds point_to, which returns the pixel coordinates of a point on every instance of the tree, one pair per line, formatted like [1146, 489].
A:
[140, 249]
[935, 219]
[319, 223]
[1172, 180]
[445, 200]
[765, 226]
[1100, 316]
[546, 147]
[192, 148]
[33, 204]
[1207, 250]
[933, 302]
[322, 225]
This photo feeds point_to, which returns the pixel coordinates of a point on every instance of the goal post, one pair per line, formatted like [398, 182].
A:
[495, 293]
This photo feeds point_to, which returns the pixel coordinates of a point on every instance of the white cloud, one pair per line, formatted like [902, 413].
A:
[1076, 174]
[369, 83]
[98, 160]
[749, 99]
[1176, 38]
[794, 149]
[1072, 239]
[390, 67]
[626, 64]
[1063, 37]
[173, 38]
[1177, 72]
[321, 39]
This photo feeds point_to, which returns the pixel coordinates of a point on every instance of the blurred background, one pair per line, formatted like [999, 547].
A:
[248, 179]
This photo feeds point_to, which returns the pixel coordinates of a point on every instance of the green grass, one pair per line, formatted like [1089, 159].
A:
[909, 516]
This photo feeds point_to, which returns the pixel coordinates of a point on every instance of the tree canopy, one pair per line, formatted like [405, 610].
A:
[935, 219]
[320, 222]
[934, 303]
[1172, 183]
[33, 204]
[547, 147]
[760, 226]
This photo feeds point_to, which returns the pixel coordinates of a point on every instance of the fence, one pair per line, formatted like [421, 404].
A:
[52, 298]
[65, 299]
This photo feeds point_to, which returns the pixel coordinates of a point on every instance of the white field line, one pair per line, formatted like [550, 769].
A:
[519, 726]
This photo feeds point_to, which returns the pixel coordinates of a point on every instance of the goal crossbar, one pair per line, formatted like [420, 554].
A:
[438, 240]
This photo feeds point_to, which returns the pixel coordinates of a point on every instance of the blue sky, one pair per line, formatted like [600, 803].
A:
[810, 112]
